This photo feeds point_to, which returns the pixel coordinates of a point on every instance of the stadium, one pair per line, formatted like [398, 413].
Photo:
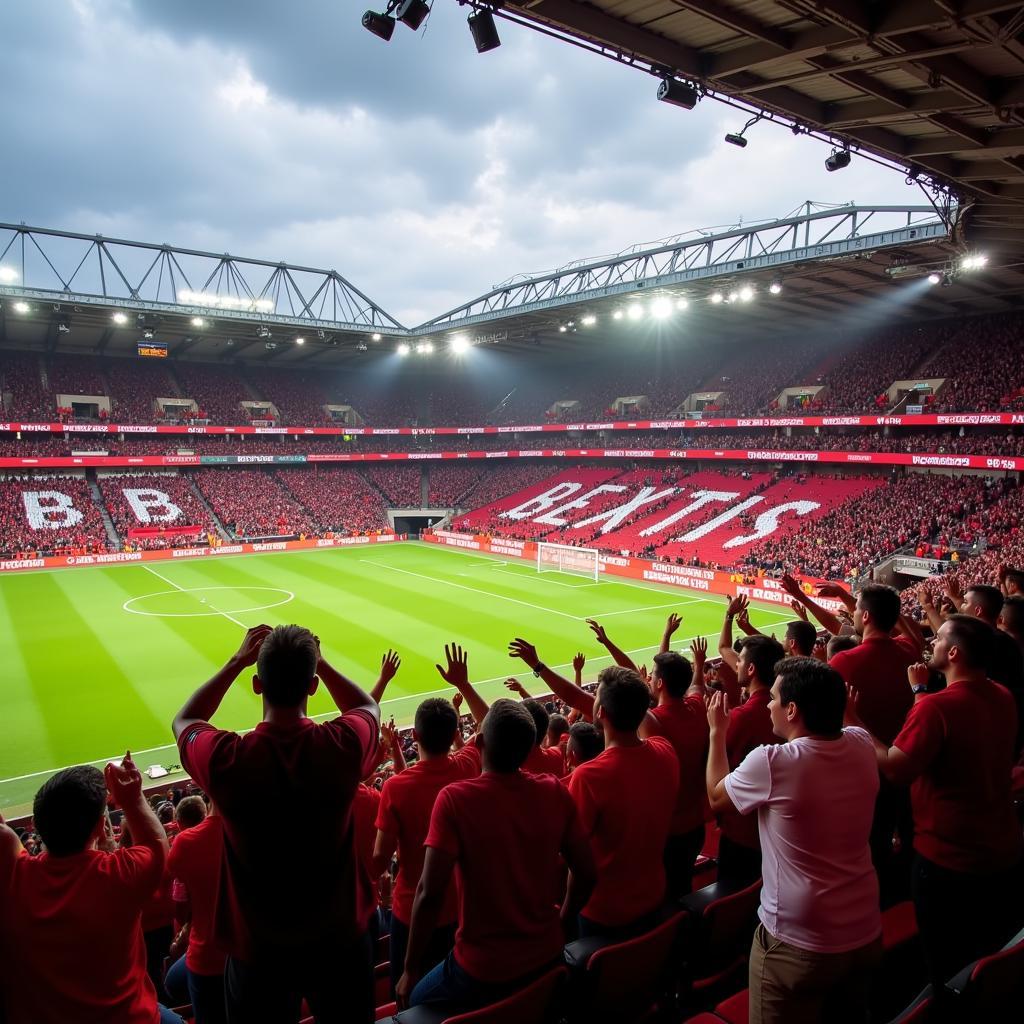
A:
[734, 471]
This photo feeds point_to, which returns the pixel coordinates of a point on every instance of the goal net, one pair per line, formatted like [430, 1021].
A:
[565, 558]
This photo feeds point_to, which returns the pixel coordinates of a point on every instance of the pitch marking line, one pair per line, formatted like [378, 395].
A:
[383, 703]
[289, 596]
[171, 583]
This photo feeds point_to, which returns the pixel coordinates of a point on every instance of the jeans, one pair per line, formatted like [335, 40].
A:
[176, 983]
[165, 1016]
[681, 851]
[442, 941]
[448, 985]
[789, 985]
[738, 864]
[962, 917]
[335, 977]
[204, 991]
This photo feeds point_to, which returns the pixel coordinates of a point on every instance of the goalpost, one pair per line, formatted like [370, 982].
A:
[566, 558]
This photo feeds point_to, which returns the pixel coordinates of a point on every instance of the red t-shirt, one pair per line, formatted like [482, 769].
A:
[364, 814]
[960, 745]
[406, 804]
[684, 723]
[877, 670]
[72, 937]
[507, 832]
[545, 761]
[626, 797]
[196, 859]
[280, 892]
[750, 726]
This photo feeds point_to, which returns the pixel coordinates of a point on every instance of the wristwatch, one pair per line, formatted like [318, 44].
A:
[919, 688]
[540, 668]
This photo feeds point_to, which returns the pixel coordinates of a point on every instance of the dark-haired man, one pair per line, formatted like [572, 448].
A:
[70, 919]
[820, 931]
[293, 915]
[957, 751]
[403, 819]
[626, 798]
[585, 743]
[543, 760]
[508, 832]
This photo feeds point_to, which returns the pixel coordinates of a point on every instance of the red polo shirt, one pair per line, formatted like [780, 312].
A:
[195, 859]
[877, 670]
[72, 940]
[506, 833]
[406, 804]
[960, 745]
[301, 772]
[750, 726]
[626, 797]
[684, 723]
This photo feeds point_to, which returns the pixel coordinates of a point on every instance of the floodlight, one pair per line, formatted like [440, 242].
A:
[263, 332]
[775, 287]
[661, 309]
[838, 159]
[148, 334]
[403, 349]
[975, 262]
[589, 320]
[300, 341]
[198, 321]
[635, 312]
[381, 25]
[717, 297]
[679, 94]
[746, 293]
[412, 13]
[934, 278]
[375, 336]
[424, 348]
[484, 31]
[682, 303]
[562, 328]
[736, 140]
[63, 327]
[21, 307]
[734, 295]
[7, 275]
[120, 319]
[459, 344]
[617, 315]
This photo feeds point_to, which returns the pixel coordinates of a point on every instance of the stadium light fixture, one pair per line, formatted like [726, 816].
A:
[459, 344]
[120, 319]
[7, 275]
[198, 321]
[589, 320]
[679, 94]
[424, 348]
[300, 340]
[22, 307]
[375, 336]
[837, 160]
[562, 328]
[734, 296]
[635, 312]
[717, 298]
[739, 138]
[975, 262]
[403, 349]
[934, 278]
[412, 13]
[746, 293]
[484, 31]
[617, 315]
[661, 309]
[381, 25]
[147, 334]
[682, 303]
[775, 287]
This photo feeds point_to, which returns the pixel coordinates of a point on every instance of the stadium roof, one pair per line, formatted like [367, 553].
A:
[935, 87]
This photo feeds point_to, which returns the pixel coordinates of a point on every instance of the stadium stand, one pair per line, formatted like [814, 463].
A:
[218, 391]
[24, 397]
[137, 501]
[251, 503]
[134, 388]
[48, 513]
[339, 500]
[400, 485]
[449, 484]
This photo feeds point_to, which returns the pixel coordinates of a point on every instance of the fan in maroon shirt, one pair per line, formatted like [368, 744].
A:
[543, 760]
[293, 916]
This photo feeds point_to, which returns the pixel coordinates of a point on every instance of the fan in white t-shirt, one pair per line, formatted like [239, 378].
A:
[820, 932]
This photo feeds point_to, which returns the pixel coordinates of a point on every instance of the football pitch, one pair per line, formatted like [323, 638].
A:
[98, 659]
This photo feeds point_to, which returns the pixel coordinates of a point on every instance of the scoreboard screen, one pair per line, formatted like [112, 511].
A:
[156, 349]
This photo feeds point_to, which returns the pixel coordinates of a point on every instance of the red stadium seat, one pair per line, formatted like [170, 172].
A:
[899, 926]
[990, 986]
[920, 1011]
[735, 1009]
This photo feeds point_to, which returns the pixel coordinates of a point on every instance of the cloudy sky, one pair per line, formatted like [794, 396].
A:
[422, 171]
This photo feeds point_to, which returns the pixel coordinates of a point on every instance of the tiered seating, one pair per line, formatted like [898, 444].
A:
[134, 387]
[338, 499]
[75, 375]
[217, 390]
[448, 482]
[49, 513]
[251, 503]
[21, 387]
[185, 509]
[399, 484]
[298, 396]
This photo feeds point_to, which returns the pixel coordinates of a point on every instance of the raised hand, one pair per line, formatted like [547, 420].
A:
[389, 666]
[743, 619]
[798, 609]
[924, 597]
[918, 674]
[790, 586]
[718, 711]
[124, 781]
[525, 651]
[457, 700]
[598, 629]
[737, 605]
[820, 650]
[699, 650]
[457, 671]
[579, 661]
[953, 590]
[832, 590]
[390, 733]
[250, 649]
[644, 674]
[673, 623]
[851, 716]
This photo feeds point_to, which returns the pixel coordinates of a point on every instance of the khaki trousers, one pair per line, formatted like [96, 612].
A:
[789, 985]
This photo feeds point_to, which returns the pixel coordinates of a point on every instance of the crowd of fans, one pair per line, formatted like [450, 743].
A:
[339, 500]
[48, 514]
[399, 484]
[148, 509]
[251, 503]
[449, 482]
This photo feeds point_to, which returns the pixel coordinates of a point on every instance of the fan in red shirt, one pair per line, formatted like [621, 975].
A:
[293, 915]
[506, 833]
[626, 797]
[403, 819]
[543, 760]
[957, 751]
[70, 919]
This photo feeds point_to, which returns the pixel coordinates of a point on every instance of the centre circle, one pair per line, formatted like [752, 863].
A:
[203, 602]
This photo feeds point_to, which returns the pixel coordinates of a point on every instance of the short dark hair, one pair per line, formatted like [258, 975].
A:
[436, 724]
[990, 598]
[623, 696]
[803, 634]
[558, 726]
[509, 735]
[190, 811]
[586, 741]
[675, 672]
[540, 718]
[882, 603]
[817, 690]
[763, 653]
[286, 665]
[1013, 612]
[974, 638]
[1016, 576]
[68, 807]
[838, 644]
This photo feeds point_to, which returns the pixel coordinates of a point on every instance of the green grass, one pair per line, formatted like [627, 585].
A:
[84, 677]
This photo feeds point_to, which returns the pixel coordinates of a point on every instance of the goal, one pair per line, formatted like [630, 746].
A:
[566, 558]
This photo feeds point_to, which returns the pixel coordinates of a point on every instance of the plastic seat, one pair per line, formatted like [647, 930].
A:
[987, 987]
[623, 981]
[899, 926]
[920, 1011]
[722, 925]
[530, 1005]
[735, 1009]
